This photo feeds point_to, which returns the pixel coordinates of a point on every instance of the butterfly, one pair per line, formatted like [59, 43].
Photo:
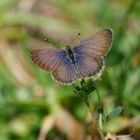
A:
[70, 64]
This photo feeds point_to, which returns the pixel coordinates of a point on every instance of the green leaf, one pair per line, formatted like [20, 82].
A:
[115, 112]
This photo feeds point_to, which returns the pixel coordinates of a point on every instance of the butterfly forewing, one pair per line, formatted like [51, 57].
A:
[47, 58]
[97, 44]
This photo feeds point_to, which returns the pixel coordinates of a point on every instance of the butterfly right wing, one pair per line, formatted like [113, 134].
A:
[89, 66]
[96, 45]
[91, 51]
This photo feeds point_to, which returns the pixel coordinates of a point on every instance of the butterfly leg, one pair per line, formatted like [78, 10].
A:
[84, 90]
[83, 83]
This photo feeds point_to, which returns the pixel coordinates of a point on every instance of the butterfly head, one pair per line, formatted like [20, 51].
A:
[68, 47]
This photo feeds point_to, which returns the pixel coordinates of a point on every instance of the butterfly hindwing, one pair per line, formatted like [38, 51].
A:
[89, 66]
[65, 72]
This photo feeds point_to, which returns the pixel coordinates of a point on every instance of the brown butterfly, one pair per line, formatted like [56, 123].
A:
[73, 63]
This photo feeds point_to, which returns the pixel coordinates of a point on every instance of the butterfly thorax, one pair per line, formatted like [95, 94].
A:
[71, 57]
[70, 54]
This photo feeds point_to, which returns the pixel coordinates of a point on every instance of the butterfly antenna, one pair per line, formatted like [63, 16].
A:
[46, 39]
[51, 41]
[75, 39]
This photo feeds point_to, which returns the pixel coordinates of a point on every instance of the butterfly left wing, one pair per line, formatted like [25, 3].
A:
[47, 58]
[54, 60]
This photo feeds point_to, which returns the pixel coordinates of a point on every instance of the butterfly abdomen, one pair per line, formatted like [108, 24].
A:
[70, 55]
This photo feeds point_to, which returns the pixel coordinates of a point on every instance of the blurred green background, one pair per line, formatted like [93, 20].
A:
[32, 105]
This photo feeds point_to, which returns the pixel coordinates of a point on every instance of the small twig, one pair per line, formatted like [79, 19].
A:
[84, 92]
